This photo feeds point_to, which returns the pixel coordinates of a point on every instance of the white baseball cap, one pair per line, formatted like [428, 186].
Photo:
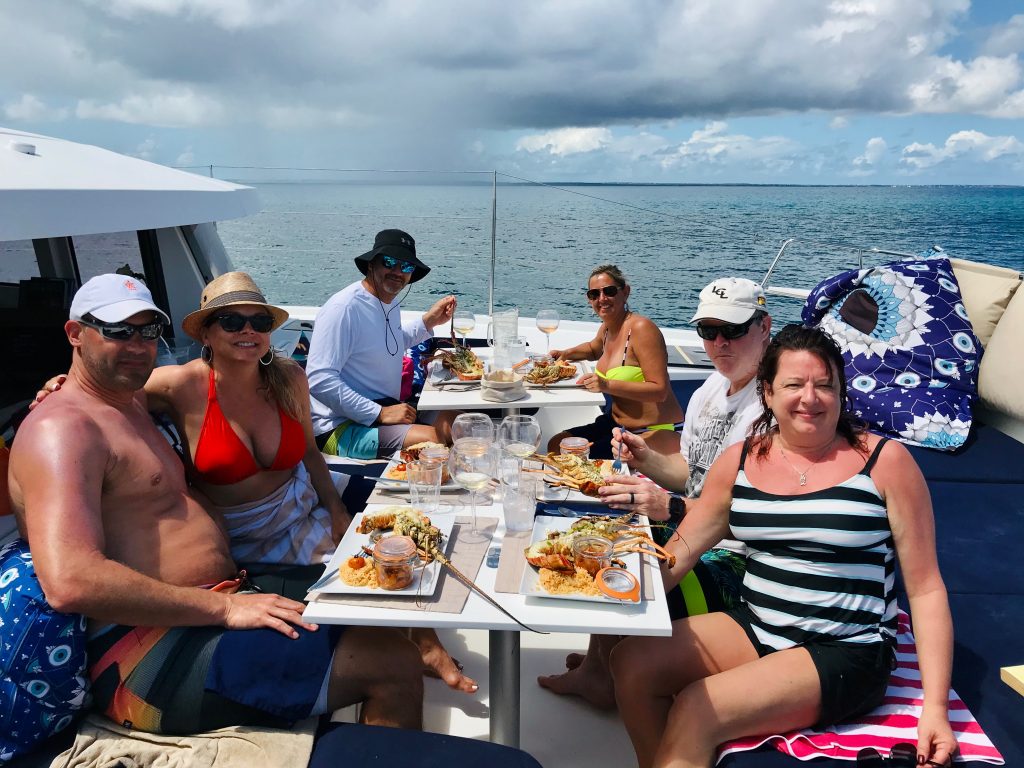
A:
[113, 298]
[731, 300]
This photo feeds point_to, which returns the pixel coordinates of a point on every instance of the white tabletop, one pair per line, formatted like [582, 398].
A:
[649, 617]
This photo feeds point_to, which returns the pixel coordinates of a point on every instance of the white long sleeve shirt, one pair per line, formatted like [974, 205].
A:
[349, 363]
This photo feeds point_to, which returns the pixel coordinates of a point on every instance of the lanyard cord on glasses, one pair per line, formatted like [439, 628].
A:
[389, 332]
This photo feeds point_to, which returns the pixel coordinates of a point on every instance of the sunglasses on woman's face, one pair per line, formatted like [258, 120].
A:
[729, 332]
[611, 291]
[124, 331]
[390, 262]
[233, 322]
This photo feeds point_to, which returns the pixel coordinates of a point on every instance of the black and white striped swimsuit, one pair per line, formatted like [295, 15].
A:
[820, 565]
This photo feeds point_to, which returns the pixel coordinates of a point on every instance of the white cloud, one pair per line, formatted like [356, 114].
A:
[186, 158]
[714, 146]
[1007, 39]
[229, 14]
[566, 141]
[971, 145]
[147, 149]
[874, 151]
[31, 109]
[172, 109]
[838, 123]
[987, 85]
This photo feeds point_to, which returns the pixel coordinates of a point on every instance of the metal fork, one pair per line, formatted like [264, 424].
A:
[617, 464]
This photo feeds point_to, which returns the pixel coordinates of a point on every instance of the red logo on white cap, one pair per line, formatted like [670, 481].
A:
[130, 285]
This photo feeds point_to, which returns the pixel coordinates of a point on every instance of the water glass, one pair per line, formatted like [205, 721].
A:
[520, 502]
[472, 465]
[473, 425]
[424, 484]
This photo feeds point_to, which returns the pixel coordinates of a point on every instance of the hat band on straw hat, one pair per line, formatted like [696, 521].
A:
[235, 297]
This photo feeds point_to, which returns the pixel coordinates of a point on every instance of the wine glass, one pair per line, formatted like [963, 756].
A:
[463, 322]
[472, 465]
[473, 425]
[519, 435]
[547, 323]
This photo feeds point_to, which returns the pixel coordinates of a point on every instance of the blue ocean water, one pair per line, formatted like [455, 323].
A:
[669, 240]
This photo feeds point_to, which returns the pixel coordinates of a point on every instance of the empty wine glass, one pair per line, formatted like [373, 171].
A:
[472, 465]
[463, 322]
[519, 435]
[473, 425]
[547, 323]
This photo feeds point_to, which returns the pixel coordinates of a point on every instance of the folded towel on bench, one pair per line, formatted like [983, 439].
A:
[892, 722]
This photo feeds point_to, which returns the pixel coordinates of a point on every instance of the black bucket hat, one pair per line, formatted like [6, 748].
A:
[396, 243]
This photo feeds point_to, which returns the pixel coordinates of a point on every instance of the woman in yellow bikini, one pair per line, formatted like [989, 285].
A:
[632, 369]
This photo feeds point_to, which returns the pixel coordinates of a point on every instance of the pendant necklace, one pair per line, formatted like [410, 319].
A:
[803, 475]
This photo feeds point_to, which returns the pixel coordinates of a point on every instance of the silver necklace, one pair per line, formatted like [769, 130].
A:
[803, 475]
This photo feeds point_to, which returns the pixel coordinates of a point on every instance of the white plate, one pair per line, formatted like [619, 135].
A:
[424, 579]
[530, 585]
[403, 485]
[582, 367]
[561, 493]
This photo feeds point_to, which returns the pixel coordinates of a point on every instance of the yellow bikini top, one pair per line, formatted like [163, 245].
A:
[622, 372]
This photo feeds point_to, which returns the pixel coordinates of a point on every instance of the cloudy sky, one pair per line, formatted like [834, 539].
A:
[761, 91]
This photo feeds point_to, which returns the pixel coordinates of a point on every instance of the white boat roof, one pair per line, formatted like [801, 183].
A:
[54, 188]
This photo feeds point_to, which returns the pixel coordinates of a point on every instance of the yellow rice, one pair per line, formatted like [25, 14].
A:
[561, 583]
[360, 577]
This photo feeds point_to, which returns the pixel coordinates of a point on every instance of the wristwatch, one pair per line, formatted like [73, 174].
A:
[676, 507]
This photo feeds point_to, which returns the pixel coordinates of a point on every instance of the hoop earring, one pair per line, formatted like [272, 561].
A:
[269, 360]
[206, 353]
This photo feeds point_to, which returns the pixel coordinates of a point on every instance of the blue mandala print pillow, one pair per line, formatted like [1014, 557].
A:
[42, 659]
[911, 355]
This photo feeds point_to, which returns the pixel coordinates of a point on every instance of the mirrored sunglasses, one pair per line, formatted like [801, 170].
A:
[728, 332]
[391, 262]
[233, 322]
[124, 331]
[611, 291]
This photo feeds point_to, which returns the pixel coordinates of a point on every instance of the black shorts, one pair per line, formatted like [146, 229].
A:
[853, 676]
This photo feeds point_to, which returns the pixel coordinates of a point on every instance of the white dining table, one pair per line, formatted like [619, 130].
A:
[648, 617]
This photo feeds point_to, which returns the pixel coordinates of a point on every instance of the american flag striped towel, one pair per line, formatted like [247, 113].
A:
[892, 722]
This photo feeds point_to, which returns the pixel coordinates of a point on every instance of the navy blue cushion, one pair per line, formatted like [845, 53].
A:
[988, 456]
[684, 388]
[349, 744]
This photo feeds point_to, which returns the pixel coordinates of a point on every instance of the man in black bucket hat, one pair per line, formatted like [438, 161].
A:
[355, 355]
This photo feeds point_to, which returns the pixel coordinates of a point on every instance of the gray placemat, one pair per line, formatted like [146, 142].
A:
[451, 594]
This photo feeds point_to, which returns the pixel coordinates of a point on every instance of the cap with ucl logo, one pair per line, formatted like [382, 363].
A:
[731, 300]
[113, 298]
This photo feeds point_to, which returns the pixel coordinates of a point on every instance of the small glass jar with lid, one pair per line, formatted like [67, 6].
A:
[395, 559]
[575, 446]
[592, 553]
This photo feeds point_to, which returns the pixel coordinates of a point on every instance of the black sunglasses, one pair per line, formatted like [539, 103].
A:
[729, 332]
[390, 262]
[611, 291]
[233, 322]
[124, 331]
[902, 755]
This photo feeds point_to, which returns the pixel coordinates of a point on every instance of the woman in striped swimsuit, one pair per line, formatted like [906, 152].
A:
[823, 508]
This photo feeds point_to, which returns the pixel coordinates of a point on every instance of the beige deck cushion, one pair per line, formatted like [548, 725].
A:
[986, 291]
[1001, 376]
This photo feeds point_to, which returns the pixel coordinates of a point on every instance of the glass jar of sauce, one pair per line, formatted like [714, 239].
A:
[395, 558]
[592, 553]
[575, 446]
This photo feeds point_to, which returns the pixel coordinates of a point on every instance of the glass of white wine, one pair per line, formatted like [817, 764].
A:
[519, 435]
[473, 425]
[463, 321]
[547, 323]
[472, 465]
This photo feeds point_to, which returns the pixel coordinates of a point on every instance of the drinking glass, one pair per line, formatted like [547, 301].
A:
[463, 322]
[424, 485]
[473, 425]
[547, 323]
[472, 465]
[519, 435]
[520, 502]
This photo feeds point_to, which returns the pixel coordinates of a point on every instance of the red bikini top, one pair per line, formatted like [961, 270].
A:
[223, 459]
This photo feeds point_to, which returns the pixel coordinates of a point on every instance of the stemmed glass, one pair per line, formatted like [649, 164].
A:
[520, 436]
[473, 425]
[547, 323]
[463, 322]
[472, 465]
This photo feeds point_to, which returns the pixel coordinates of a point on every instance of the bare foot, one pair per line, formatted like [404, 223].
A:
[437, 662]
[591, 684]
[573, 660]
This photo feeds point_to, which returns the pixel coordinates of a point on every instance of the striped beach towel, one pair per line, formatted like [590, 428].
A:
[892, 722]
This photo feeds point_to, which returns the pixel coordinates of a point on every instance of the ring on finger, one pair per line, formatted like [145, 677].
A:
[632, 498]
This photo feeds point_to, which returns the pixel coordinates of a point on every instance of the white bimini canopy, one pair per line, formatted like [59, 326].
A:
[55, 188]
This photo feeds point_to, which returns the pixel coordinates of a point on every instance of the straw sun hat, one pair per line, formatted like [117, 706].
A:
[232, 289]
